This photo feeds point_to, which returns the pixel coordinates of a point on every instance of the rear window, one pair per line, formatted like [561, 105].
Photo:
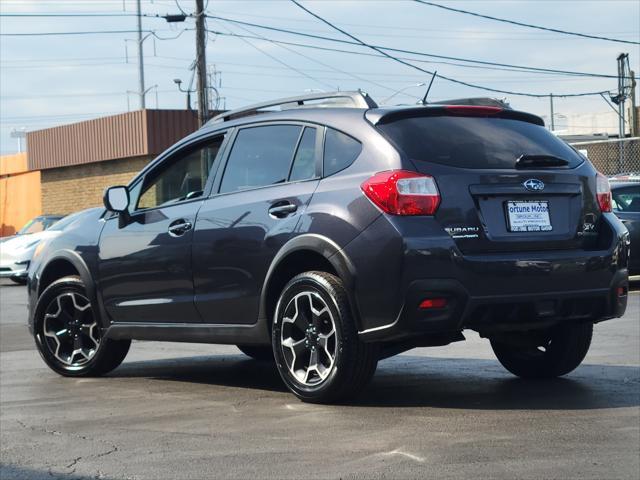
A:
[472, 142]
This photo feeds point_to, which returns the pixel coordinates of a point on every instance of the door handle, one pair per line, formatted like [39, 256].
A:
[282, 210]
[177, 228]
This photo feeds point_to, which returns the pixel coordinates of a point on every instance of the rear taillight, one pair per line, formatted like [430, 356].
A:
[400, 192]
[603, 193]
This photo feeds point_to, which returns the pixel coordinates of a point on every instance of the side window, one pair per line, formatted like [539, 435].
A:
[260, 156]
[182, 178]
[304, 163]
[340, 151]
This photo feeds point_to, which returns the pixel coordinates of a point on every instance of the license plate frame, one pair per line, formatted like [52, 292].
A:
[524, 216]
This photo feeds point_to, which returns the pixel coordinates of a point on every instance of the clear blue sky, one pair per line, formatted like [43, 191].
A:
[52, 80]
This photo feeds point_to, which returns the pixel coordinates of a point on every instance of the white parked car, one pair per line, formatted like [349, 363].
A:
[35, 225]
[16, 251]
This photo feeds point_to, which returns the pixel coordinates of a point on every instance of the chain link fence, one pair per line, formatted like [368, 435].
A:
[612, 157]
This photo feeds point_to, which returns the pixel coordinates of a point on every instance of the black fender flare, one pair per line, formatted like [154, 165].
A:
[322, 245]
[80, 265]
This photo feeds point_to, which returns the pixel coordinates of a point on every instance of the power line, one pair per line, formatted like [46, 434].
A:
[374, 26]
[100, 61]
[411, 52]
[350, 74]
[339, 50]
[97, 32]
[46, 34]
[392, 27]
[321, 37]
[281, 62]
[57, 116]
[415, 67]
[73, 95]
[373, 55]
[55, 62]
[67, 15]
[538, 27]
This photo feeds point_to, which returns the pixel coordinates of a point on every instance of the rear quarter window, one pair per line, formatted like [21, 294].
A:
[472, 142]
[340, 150]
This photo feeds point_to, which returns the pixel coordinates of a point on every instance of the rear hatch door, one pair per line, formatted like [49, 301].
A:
[507, 184]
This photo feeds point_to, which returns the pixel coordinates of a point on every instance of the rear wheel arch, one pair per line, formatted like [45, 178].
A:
[304, 253]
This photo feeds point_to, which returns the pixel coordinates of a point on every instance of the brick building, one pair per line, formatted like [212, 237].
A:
[78, 161]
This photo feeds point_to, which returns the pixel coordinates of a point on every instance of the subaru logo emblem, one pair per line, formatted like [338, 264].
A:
[534, 185]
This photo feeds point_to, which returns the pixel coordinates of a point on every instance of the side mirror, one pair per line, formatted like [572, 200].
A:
[116, 199]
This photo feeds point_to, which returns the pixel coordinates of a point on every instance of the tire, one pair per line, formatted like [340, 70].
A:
[64, 307]
[313, 314]
[19, 280]
[559, 351]
[262, 353]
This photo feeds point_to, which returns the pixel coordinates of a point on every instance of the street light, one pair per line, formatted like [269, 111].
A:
[188, 91]
[19, 133]
[421, 84]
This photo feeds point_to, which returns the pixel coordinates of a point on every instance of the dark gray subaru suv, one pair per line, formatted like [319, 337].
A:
[326, 233]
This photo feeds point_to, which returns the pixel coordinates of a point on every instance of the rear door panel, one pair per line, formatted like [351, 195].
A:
[233, 246]
[240, 229]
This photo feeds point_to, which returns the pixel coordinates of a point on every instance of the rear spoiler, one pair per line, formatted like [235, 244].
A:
[380, 116]
[481, 101]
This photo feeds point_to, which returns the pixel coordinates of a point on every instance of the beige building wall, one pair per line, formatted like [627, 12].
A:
[69, 189]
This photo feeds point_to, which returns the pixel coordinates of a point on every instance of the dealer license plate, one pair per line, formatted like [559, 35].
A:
[528, 216]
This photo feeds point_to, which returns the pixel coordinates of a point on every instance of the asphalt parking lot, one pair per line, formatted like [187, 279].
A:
[205, 411]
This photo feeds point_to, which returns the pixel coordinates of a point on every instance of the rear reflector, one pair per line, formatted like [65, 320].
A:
[603, 193]
[400, 192]
[429, 303]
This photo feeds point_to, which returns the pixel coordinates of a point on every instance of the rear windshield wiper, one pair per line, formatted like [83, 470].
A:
[533, 161]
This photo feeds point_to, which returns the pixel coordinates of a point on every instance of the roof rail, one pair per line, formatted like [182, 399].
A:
[480, 101]
[357, 99]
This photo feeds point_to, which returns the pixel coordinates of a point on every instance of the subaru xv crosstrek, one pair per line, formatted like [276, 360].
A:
[324, 233]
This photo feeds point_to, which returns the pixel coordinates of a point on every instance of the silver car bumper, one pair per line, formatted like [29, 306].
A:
[14, 270]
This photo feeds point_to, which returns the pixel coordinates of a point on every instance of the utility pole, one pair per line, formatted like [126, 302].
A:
[621, 94]
[634, 112]
[201, 64]
[140, 58]
[553, 125]
[623, 62]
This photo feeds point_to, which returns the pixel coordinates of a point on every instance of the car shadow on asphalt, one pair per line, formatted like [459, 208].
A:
[420, 381]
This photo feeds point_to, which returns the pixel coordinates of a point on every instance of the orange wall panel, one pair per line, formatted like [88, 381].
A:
[11, 164]
[20, 201]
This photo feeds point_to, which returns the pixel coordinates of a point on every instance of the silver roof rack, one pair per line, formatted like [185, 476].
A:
[357, 99]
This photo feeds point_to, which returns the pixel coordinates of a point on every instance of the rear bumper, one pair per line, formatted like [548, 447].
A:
[500, 312]
[489, 292]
